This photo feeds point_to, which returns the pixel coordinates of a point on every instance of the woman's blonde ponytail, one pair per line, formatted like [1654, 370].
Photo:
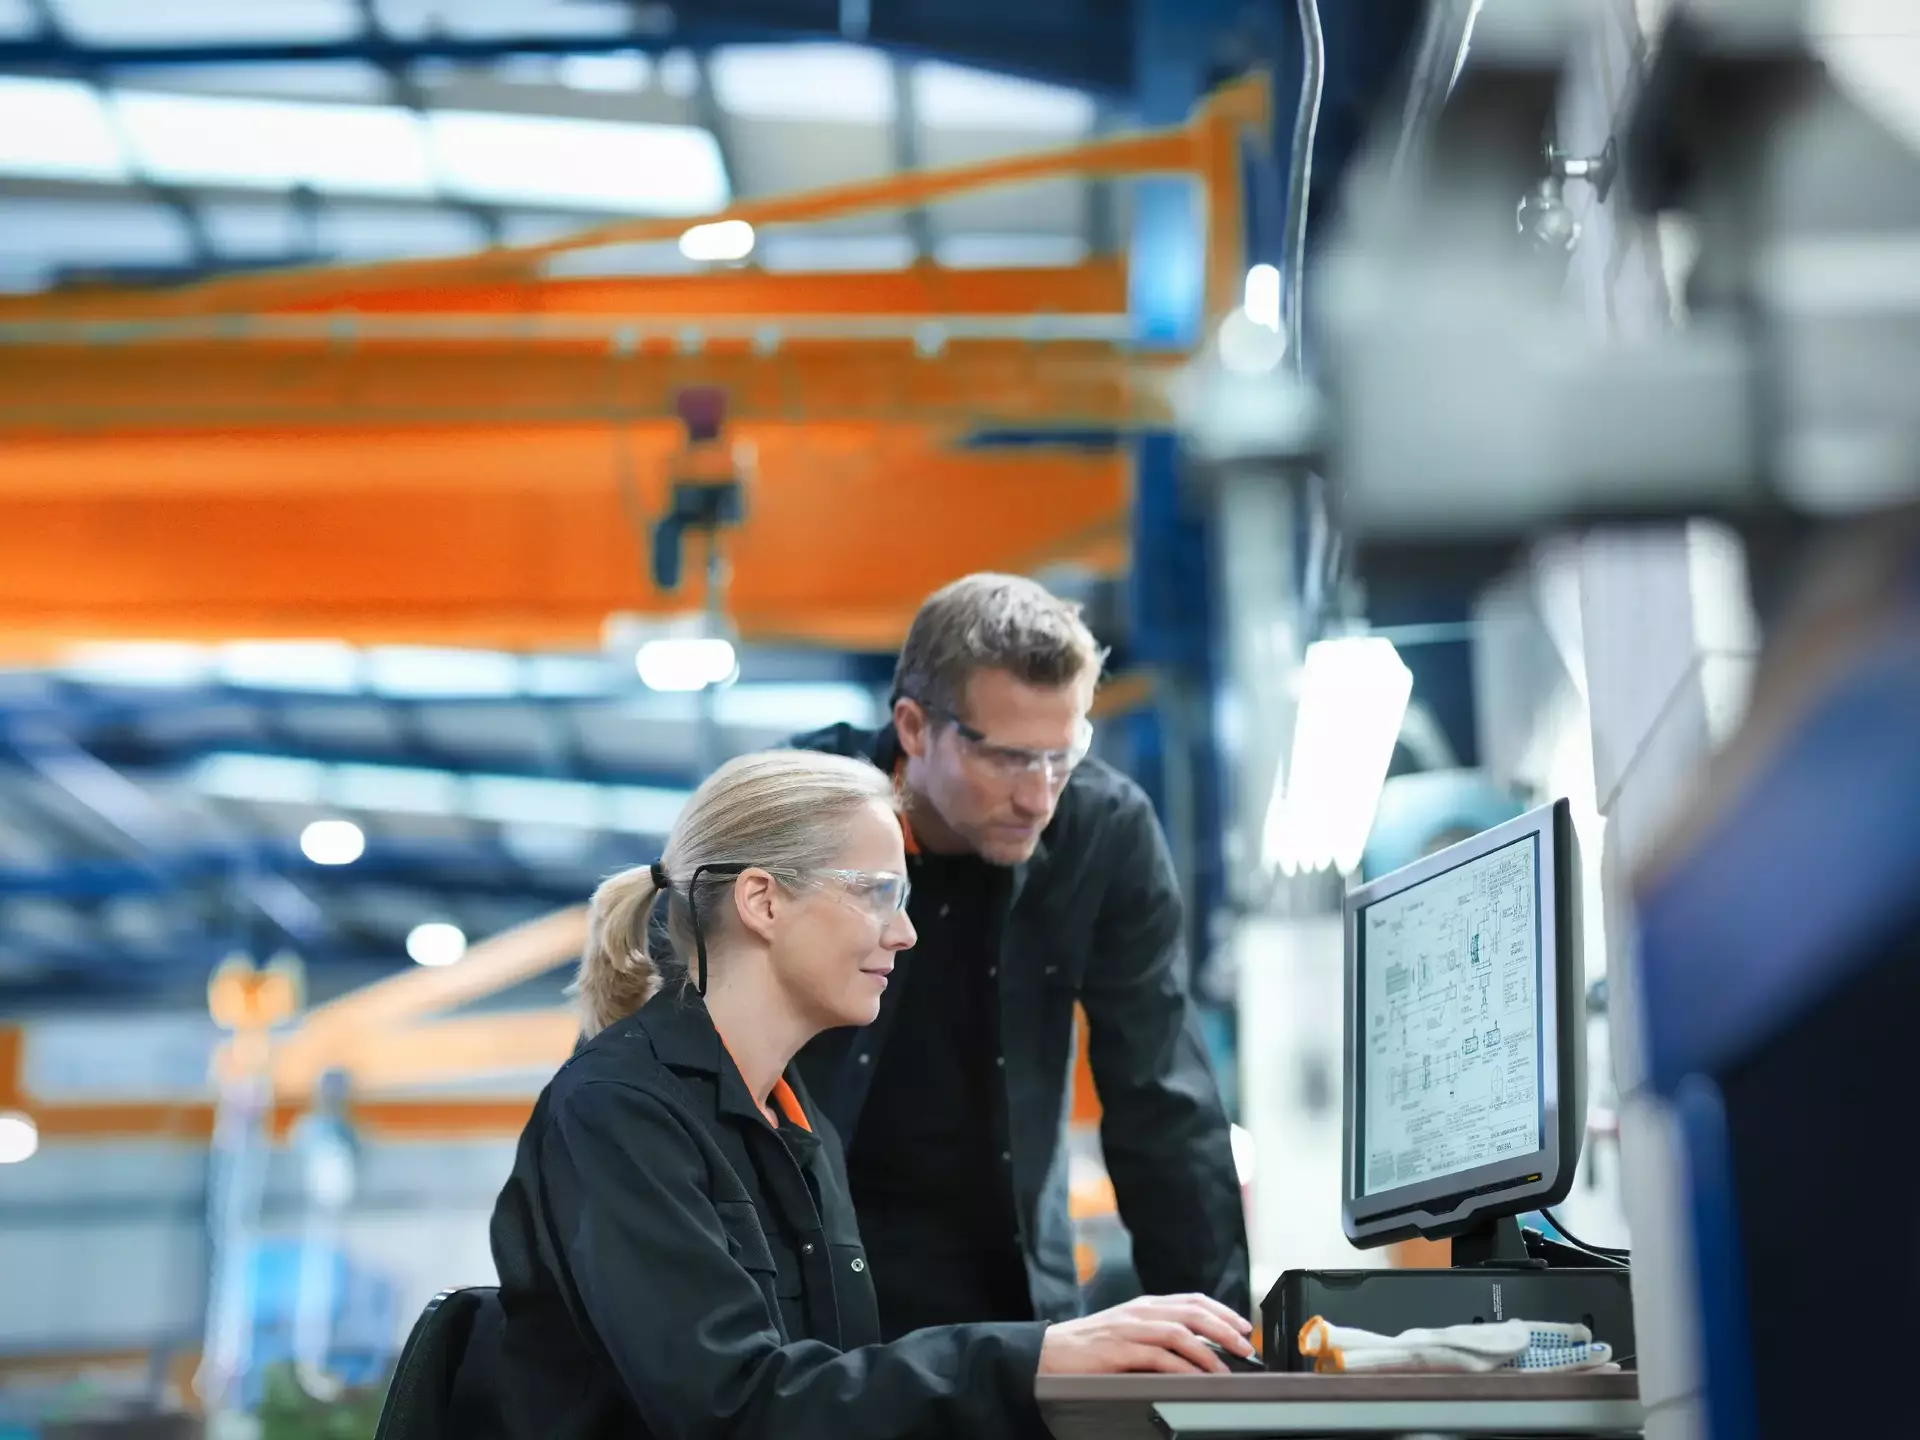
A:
[617, 976]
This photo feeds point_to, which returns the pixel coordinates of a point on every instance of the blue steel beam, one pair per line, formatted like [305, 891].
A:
[1178, 44]
[479, 869]
[144, 754]
[129, 811]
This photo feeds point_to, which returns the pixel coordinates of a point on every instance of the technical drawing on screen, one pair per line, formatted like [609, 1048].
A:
[1452, 1024]
[1464, 1034]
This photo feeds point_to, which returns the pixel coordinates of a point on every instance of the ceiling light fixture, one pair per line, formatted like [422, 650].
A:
[436, 943]
[684, 663]
[719, 240]
[333, 842]
[1353, 700]
[19, 1137]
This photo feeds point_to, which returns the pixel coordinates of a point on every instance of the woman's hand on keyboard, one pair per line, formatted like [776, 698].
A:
[1165, 1333]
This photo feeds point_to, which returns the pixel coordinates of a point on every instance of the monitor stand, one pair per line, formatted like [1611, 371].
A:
[1502, 1245]
[1495, 1245]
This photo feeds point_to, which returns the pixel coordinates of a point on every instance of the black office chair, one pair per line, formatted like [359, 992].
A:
[419, 1403]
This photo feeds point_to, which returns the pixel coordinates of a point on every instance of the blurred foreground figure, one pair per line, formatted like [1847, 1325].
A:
[1780, 934]
[1040, 879]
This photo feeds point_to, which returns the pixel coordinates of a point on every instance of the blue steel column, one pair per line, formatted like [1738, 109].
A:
[1172, 611]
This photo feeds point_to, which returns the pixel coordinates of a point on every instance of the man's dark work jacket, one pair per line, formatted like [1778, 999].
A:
[1094, 917]
[672, 1266]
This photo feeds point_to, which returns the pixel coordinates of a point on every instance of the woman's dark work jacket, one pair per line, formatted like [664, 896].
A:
[673, 1266]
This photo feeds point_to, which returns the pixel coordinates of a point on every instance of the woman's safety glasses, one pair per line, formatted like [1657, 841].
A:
[881, 892]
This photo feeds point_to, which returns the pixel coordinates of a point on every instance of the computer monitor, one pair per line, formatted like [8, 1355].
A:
[1465, 1039]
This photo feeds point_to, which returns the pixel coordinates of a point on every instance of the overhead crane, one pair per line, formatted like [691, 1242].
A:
[451, 450]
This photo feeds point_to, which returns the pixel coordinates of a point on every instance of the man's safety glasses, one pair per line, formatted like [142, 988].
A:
[1012, 762]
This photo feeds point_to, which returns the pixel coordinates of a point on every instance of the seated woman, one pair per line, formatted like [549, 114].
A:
[677, 1251]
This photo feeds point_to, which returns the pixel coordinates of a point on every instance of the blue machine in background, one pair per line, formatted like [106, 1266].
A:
[1780, 961]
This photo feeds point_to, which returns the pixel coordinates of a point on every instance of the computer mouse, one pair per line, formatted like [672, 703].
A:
[1238, 1364]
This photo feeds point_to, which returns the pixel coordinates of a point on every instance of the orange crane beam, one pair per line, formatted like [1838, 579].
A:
[467, 451]
[301, 384]
[517, 536]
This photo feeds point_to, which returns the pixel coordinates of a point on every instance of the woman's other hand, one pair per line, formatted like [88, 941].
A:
[1165, 1333]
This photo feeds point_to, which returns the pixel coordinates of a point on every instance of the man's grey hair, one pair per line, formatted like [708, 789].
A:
[993, 622]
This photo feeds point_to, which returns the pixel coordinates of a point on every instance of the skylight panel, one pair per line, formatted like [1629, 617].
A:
[959, 96]
[804, 82]
[56, 129]
[161, 22]
[599, 164]
[274, 144]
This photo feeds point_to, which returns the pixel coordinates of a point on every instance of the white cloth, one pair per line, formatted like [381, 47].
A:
[1537, 1346]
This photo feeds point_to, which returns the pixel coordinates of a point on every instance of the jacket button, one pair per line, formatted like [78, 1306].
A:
[1000, 1061]
[992, 970]
[807, 1248]
[1007, 1156]
[865, 1059]
[1052, 968]
[858, 1265]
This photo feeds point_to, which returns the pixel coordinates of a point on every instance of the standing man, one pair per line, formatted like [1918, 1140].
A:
[1040, 878]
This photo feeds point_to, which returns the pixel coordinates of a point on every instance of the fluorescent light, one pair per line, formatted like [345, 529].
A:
[721, 240]
[57, 129]
[1353, 698]
[19, 1137]
[601, 164]
[688, 663]
[436, 943]
[333, 842]
[1262, 299]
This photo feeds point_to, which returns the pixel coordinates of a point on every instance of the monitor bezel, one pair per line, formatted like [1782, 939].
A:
[1451, 1204]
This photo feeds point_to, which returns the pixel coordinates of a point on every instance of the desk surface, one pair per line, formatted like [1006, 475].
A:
[1125, 1407]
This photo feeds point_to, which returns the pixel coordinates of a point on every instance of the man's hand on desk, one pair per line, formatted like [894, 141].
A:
[1165, 1333]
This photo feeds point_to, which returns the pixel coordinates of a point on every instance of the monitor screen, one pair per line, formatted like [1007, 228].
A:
[1450, 1009]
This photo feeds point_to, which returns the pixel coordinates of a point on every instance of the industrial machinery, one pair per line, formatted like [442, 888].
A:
[1464, 409]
